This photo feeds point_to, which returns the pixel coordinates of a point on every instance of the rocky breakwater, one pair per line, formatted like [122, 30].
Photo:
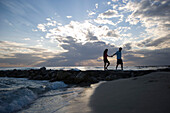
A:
[80, 78]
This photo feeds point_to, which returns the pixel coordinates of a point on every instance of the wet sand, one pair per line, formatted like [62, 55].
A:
[146, 94]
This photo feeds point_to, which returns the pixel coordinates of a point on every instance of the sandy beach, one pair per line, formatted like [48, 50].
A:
[146, 94]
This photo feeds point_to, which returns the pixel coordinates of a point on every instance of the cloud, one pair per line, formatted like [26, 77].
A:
[97, 5]
[69, 16]
[26, 39]
[19, 59]
[19, 54]
[161, 42]
[77, 53]
[109, 14]
[148, 57]
[90, 36]
[115, 0]
[81, 32]
[81, 42]
[112, 33]
[104, 21]
[108, 3]
[42, 27]
[91, 13]
[127, 46]
[154, 15]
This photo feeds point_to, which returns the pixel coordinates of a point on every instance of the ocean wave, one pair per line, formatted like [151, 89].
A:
[14, 99]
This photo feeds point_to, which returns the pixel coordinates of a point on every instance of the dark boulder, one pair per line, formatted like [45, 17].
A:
[81, 77]
[38, 77]
[42, 69]
[110, 77]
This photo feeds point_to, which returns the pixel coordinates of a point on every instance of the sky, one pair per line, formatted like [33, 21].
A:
[35, 33]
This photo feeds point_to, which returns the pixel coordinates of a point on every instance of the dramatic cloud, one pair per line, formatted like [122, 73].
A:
[81, 42]
[18, 54]
[79, 53]
[154, 15]
[148, 57]
[161, 42]
[81, 32]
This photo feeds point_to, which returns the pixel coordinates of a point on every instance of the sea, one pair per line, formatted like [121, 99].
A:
[20, 95]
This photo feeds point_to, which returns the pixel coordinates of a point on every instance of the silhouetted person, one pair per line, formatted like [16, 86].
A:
[119, 58]
[106, 62]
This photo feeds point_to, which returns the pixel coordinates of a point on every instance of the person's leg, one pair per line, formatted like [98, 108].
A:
[117, 66]
[108, 63]
[122, 66]
[104, 65]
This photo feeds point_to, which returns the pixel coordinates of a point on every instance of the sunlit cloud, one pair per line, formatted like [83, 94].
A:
[97, 6]
[69, 16]
[91, 13]
[41, 27]
[104, 21]
[108, 3]
[26, 39]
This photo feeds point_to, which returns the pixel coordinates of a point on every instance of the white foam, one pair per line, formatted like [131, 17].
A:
[21, 92]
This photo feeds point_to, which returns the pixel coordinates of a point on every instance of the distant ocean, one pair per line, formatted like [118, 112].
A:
[84, 68]
[17, 94]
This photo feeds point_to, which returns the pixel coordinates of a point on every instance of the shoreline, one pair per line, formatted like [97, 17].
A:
[87, 80]
[141, 94]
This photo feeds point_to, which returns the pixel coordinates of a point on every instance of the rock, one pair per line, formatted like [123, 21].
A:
[2, 74]
[110, 77]
[42, 69]
[83, 84]
[100, 78]
[70, 79]
[132, 74]
[75, 69]
[93, 80]
[53, 79]
[38, 77]
[20, 76]
[54, 75]
[61, 75]
[46, 77]
[31, 75]
[80, 77]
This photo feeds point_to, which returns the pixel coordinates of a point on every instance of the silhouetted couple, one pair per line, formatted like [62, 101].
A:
[119, 58]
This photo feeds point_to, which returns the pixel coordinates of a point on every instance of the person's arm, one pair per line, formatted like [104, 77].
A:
[109, 56]
[113, 54]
